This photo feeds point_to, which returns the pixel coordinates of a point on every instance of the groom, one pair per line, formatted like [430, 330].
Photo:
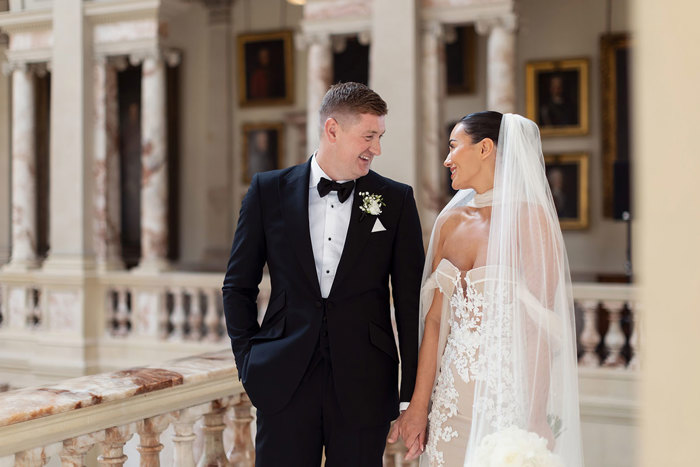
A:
[322, 368]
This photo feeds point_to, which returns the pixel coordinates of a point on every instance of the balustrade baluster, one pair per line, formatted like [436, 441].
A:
[113, 448]
[75, 449]
[149, 431]
[214, 454]
[634, 337]
[211, 320]
[183, 440]
[178, 317]
[614, 338]
[163, 316]
[37, 309]
[122, 312]
[36, 457]
[111, 311]
[195, 318]
[590, 338]
[243, 452]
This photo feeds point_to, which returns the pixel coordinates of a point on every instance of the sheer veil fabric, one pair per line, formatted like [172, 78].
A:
[526, 366]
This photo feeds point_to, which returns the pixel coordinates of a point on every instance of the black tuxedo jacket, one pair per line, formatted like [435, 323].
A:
[271, 358]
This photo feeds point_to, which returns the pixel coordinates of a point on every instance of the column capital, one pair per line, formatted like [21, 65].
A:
[509, 22]
[304, 40]
[170, 56]
[434, 29]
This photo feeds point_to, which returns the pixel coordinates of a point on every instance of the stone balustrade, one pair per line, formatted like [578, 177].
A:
[608, 331]
[68, 419]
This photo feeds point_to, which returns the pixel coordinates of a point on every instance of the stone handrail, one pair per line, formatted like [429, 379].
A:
[68, 418]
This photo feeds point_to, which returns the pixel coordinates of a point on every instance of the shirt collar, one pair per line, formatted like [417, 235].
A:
[317, 172]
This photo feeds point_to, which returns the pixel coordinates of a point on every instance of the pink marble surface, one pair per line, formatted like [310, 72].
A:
[123, 31]
[36, 402]
[107, 224]
[337, 9]
[448, 3]
[31, 40]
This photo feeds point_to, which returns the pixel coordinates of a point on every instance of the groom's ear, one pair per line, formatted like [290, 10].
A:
[330, 128]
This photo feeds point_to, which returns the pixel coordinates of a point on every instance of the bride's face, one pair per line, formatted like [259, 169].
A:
[465, 159]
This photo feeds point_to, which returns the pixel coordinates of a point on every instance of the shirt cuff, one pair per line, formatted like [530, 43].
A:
[403, 406]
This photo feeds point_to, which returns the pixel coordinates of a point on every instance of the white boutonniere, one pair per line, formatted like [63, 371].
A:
[371, 204]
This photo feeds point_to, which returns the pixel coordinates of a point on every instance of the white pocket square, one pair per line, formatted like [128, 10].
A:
[378, 227]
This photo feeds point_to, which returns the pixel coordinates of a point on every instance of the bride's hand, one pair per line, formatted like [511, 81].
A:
[417, 448]
[410, 426]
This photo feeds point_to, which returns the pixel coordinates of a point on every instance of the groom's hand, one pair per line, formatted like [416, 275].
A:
[410, 426]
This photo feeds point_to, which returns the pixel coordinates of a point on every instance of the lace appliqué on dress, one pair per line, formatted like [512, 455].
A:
[461, 352]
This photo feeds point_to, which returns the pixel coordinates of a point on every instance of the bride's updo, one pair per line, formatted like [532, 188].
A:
[480, 125]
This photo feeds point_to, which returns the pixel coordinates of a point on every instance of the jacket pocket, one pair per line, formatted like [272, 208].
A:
[383, 341]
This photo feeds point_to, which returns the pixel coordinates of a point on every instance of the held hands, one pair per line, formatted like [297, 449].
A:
[411, 427]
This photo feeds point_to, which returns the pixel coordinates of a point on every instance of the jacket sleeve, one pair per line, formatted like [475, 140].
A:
[408, 258]
[243, 275]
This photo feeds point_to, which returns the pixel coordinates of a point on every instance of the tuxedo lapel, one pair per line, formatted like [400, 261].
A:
[294, 198]
[359, 229]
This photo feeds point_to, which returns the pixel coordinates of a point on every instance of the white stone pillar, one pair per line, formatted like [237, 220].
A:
[433, 74]
[107, 202]
[24, 220]
[319, 76]
[5, 173]
[71, 164]
[395, 75]
[154, 188]
[218, 184]
[500, 57]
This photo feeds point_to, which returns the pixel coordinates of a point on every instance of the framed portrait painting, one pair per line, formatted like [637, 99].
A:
[556, 96]
[616, 76]
[265, 69]
[567, 175]
[262, 148]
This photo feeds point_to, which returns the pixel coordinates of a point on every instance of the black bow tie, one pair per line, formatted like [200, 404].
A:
[325, 186]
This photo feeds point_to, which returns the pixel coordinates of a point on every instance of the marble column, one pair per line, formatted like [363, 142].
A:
[500, 92]
[433, 76]
[319, 76]
[107, 202]
[5, 172]
[24, 220]
[218, 171]
[154, 180]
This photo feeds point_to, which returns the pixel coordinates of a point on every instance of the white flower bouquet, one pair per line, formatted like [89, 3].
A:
[515, 447]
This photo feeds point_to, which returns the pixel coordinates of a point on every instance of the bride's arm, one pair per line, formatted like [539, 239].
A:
[411, 426]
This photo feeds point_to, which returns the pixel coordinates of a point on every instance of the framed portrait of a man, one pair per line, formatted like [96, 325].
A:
[556, 96]
[262, 148]
[567, 175]
[266, 69]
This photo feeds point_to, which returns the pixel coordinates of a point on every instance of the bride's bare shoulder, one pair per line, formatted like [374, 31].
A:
[454, 219]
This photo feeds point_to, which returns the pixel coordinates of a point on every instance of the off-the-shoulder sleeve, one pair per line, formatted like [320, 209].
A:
[444, 278]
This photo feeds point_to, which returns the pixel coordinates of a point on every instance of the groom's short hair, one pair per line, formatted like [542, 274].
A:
[350, 99]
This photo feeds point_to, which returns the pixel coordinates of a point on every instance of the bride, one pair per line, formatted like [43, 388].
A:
[496, 382]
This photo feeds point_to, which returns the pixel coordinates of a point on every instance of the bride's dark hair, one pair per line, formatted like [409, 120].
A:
[480, 125]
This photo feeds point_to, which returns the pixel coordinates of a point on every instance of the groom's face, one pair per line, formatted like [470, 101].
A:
[357, 143]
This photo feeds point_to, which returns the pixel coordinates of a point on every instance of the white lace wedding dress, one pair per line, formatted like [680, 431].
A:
[450, 416]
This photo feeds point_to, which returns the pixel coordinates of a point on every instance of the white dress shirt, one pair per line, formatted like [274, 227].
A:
[328, 226]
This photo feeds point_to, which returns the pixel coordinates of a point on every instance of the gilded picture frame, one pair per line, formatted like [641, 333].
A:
[266, 69]
[568, 176]
[557, 96]
[616, 92]
[263, 148]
